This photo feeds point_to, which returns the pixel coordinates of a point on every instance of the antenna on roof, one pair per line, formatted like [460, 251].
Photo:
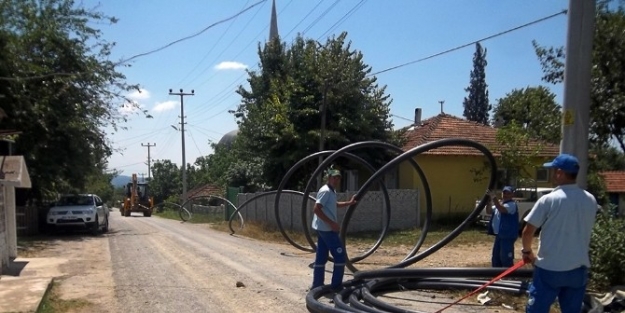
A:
[442, 102]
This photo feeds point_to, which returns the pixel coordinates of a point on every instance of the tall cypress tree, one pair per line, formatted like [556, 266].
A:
[476, 106]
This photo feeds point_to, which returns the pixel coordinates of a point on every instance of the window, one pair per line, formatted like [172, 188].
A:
[542, 174]
[350, 180]
[502, 178]
[391, 179]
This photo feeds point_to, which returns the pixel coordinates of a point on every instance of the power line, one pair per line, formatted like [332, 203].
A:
[224, 50]
[195, 143]
[212, 48]
[469, 44]
[320, 16]
[343, 18]
[194, 35]
[401, 117]
[42, 76]
[304, 18]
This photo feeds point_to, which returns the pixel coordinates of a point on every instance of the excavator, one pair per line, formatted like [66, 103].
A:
[137, 198]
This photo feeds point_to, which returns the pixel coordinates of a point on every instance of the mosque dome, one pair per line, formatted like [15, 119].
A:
[228, 138]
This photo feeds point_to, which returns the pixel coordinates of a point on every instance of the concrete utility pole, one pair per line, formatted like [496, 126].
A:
[577, 74]
[149, 159]
[184, 162]
[323, 108]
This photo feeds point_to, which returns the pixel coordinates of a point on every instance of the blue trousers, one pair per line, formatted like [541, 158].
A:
[568, 286]
[503, 252]
[329, 241]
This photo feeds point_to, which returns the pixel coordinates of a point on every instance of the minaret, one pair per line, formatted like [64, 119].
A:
[273, 30]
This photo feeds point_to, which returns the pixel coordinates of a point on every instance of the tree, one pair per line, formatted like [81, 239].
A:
[225, 167]
[476, 106]
[607, 106]
[61, 90]
[281, 112]
[518, 151]
[166, 182]
[535, 108]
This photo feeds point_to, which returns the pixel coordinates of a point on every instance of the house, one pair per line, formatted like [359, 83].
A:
[205, 191]
[453, 172]
[13, 174]
[615, 188]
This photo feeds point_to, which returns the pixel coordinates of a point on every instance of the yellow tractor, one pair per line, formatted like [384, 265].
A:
[137, 198]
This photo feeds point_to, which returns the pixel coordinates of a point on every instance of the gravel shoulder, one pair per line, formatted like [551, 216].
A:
[160, 265]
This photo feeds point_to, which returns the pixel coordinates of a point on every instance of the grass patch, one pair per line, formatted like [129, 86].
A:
[265, 232]
[30, 247]
[52, 303]
[468, 237]
[196, 218]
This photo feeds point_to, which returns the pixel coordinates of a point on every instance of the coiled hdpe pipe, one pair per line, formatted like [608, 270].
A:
[359, 293]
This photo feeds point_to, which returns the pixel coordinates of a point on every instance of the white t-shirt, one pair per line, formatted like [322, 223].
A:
[327, 198]
[566, 216]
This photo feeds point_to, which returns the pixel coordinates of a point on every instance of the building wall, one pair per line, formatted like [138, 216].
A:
[368, 216]
[4, 249]
[453, 183]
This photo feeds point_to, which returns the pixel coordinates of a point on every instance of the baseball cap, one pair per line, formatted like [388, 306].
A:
[566, 162]
[508, 189]
[333, 172]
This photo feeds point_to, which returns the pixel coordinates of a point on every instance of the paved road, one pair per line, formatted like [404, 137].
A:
[162, 265]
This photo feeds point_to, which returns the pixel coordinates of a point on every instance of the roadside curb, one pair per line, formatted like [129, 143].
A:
[45, 294]
[24, 294]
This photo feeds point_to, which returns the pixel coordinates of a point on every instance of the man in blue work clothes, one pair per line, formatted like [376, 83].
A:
[325, 222]
[504, 224]
[566, 217]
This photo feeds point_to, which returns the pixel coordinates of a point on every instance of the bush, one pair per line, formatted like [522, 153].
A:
[607, 251]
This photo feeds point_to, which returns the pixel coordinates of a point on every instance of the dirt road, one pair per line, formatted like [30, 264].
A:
[161, 265]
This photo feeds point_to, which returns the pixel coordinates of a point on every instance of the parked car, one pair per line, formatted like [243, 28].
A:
[525, 199]
[79, 210]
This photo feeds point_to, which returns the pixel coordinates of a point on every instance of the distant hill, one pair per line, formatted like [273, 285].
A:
[120, 181]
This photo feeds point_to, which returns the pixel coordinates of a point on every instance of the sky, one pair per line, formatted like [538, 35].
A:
[388, 33]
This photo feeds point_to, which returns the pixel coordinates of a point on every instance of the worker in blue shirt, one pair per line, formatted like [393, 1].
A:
[504, 225]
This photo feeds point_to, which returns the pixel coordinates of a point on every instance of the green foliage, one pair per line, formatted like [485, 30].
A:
[99, 183]
[227, 166]
[166, 181]
[518, 152]
[533, 107]
[476, 105]
[281, 114]
[607, 251]
[602, 158]
[60, 90]
[607, 107]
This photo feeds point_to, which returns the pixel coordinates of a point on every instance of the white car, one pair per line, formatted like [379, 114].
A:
[82, 210]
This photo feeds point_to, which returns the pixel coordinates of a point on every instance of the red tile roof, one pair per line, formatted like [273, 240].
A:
[445, 126]
[206, 190]
[614, 181]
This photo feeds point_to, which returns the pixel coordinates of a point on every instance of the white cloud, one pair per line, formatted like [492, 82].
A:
[230, 65]
[141, 94]
[134, 105]
[165, 106]
[130, 108]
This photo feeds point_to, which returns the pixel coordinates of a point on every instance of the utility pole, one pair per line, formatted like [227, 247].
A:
[184, 162]
[577, 75]
[322, 133]
[149, 159]
[441, 102]
[142, 177]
